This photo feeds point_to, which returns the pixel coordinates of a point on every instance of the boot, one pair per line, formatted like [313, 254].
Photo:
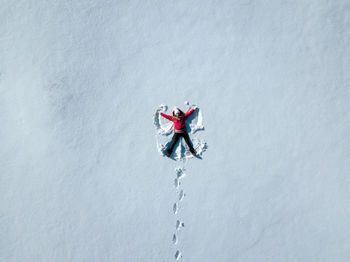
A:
[194, 153]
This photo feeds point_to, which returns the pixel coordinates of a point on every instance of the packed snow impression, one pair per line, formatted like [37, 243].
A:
[165, 131]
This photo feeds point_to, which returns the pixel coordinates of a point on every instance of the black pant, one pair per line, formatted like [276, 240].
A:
[177, 137]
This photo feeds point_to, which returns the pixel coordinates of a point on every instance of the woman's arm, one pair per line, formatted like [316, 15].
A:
[166, 116]
[188, 113]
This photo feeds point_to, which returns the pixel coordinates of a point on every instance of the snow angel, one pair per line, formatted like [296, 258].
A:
[178, 118]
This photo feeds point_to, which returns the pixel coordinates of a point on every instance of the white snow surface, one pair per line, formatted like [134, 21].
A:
[80, 175]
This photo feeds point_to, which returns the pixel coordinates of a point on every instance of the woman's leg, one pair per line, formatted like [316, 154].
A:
[173, 143]
[189, 143]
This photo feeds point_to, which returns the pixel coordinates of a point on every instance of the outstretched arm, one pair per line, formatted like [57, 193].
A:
[188, 113]
[166, 116]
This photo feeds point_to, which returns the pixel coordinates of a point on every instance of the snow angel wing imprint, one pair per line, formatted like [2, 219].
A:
[163, 126]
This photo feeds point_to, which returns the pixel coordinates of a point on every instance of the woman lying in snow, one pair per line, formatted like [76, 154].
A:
[178, 118]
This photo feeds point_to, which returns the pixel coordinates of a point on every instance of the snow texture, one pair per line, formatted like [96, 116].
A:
[80, 175]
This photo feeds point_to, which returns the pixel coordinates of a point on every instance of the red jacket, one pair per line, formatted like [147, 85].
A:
[179, 123]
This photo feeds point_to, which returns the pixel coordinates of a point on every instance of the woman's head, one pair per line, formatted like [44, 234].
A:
[177, 111]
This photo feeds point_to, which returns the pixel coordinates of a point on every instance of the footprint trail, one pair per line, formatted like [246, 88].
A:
[180, 174]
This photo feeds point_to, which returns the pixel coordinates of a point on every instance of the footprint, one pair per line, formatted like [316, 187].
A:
[178, 255]
[174, 239]
[175, 208]
[179, 224]
[181, 195]
[180, 173]
[176, 182]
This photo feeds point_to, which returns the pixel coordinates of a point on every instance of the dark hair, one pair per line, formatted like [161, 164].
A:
[181, 113]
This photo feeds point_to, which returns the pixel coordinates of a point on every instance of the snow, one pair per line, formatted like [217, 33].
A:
[80, 175]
